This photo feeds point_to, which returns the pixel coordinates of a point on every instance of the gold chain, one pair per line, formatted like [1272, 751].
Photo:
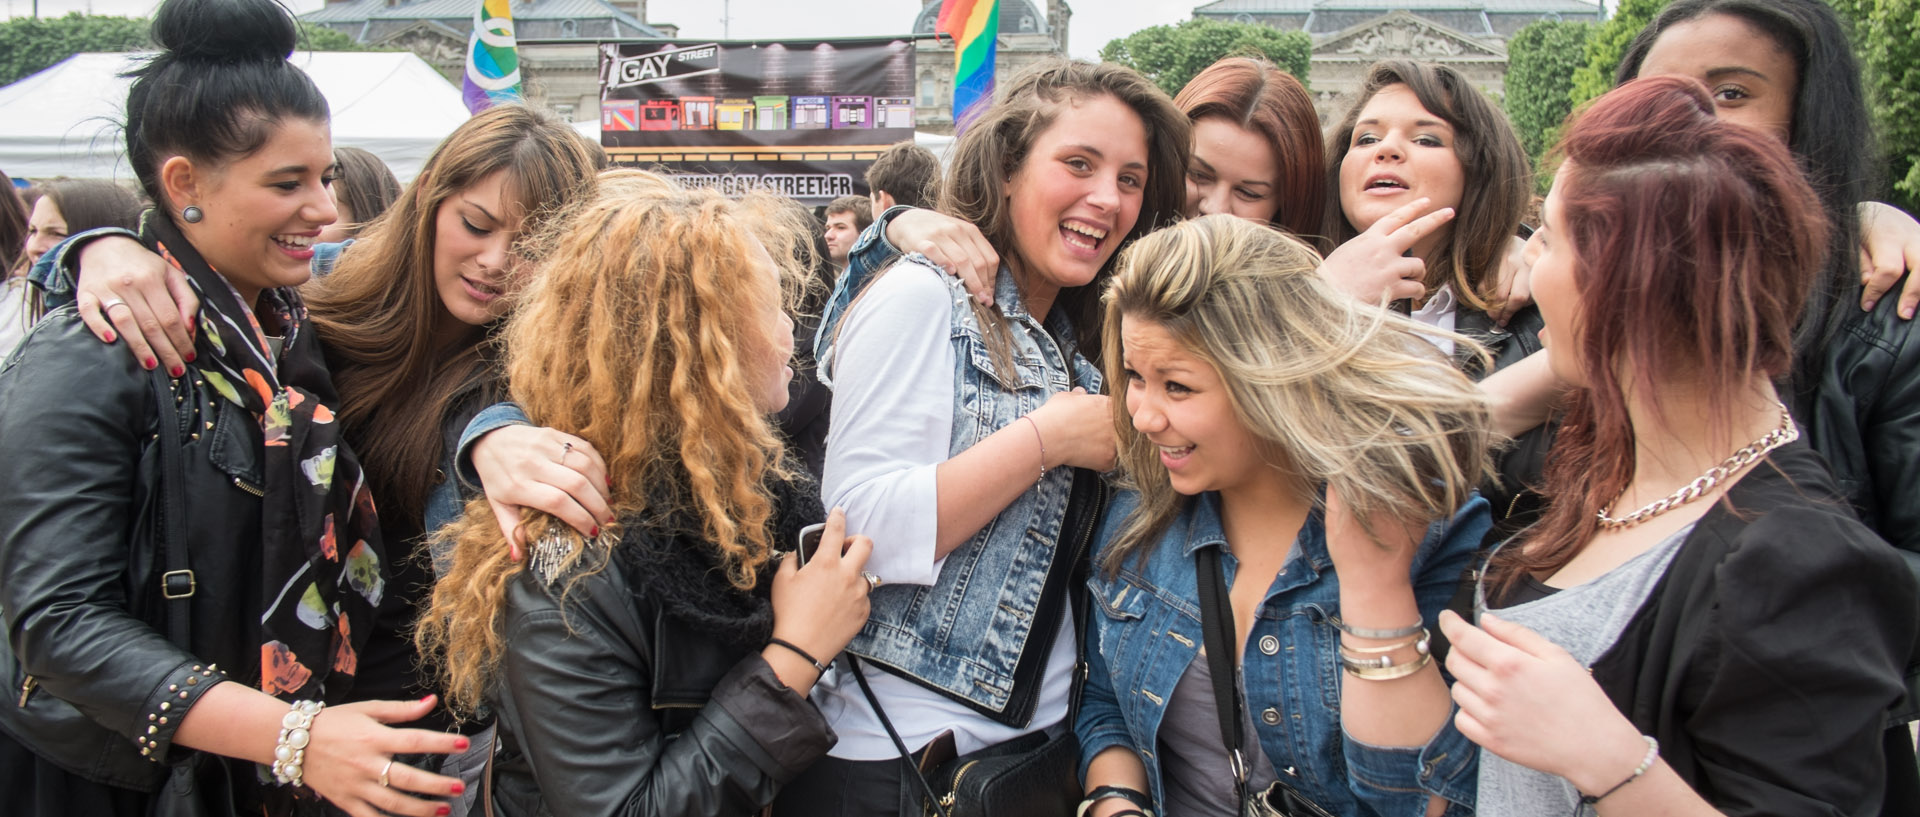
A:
[1786, 432]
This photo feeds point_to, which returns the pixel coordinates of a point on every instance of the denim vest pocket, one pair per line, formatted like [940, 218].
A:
[1324, 640]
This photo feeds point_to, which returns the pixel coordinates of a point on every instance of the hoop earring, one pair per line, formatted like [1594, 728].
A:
[192, 214]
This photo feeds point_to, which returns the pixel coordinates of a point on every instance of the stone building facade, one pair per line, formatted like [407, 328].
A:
[559, 61]
[1349, 35]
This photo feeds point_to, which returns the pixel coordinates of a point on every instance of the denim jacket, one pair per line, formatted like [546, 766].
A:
[869, 251]
[1145, 631]
[967, 634]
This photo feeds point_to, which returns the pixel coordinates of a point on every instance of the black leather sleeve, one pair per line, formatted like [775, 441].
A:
[1890, 432]
[74, 414]
[574, 694]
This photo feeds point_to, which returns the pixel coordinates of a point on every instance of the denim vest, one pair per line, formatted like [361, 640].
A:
[965, 635]
[1145, 631]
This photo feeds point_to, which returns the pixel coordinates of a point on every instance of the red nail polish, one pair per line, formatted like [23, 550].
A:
[462, 745]
[111, 337]
[149, 363]
[460, 788]
[444, 811]
[191, 356]
[595, 531]
[177, 371]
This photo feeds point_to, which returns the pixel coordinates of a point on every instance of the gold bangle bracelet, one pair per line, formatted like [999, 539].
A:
[1424, 637]
[1387, 673]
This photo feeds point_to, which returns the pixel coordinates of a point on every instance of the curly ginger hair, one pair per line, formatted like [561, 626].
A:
[635, 332]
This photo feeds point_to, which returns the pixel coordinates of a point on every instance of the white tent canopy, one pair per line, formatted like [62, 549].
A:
[65, 121]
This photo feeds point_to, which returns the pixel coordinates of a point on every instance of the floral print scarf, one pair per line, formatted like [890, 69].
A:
[322, 560]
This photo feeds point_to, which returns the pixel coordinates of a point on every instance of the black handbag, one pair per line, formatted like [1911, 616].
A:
[1216, 627]
[59, 733]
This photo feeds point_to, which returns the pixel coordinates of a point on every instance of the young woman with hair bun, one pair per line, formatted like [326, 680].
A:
[194, 567]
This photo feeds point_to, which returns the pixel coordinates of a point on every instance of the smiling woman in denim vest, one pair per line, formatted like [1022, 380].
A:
[1264, 414]
[958, 430]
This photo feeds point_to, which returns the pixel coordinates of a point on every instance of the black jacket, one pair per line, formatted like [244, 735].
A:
[622, 700]
[1766, 659]
[80, 568]
[1863, 415]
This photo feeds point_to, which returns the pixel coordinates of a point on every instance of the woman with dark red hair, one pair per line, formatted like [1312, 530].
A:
[1663, 641]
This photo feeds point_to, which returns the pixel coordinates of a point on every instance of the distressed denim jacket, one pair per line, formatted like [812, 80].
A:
[966, 634]
[1145, 631]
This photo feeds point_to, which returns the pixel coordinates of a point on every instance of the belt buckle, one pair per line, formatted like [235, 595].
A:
[167, 584]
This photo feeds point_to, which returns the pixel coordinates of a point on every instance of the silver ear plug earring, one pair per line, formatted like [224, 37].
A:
[192, 214]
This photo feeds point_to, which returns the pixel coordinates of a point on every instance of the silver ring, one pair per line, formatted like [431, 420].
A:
[383, 772]
[873, 582]
[111, 303]
[565, 449]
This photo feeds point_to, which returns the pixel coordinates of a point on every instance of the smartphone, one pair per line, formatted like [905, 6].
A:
[809, 541]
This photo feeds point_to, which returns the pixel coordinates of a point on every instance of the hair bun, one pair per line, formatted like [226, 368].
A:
[225, 30]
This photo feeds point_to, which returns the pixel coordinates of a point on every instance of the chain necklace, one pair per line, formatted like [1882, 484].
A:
[1785, 433]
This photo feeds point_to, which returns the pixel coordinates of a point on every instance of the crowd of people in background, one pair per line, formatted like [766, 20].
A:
[1142, 455]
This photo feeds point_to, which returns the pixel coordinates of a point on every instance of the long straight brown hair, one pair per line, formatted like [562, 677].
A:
[1695, 243]
[1498, 176]
[377, 311]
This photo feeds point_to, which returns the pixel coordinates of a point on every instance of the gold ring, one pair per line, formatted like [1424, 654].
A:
[383, 772]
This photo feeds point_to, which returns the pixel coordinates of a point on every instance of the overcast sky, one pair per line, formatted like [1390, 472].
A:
[1094, 21]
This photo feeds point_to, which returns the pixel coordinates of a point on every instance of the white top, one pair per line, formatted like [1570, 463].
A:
[13, 314]
[1438, 312]
[892, 426]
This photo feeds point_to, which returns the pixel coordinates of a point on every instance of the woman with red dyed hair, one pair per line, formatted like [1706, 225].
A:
[1662, 642]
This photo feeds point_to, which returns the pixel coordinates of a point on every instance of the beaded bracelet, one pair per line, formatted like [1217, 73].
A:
[1653, 754]
[290, 750]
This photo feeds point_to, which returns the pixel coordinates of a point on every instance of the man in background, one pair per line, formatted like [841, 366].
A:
[846, 217]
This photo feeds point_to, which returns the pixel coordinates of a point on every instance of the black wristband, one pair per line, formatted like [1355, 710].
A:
[800, 652]
[1134, 796]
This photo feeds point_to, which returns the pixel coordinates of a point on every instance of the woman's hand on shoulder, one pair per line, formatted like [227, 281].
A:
[1525, 699]
[351, 746]
[820, 607]
[1889, 248]
[957, 246]
[1374, 266]
[526, 467]
[1516, 277]
[1076, 429]
[123, 285]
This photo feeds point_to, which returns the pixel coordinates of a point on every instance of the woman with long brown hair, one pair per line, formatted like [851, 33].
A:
[662, 666]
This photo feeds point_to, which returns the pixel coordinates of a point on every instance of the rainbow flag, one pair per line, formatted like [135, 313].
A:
[974, 26]
[493, 58]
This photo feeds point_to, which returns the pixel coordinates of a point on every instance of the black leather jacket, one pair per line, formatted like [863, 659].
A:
[1863, 416]
[80, 568]
[609, 705]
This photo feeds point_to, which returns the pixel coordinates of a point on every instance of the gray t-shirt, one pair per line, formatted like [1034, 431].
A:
[1194, 773]
[1584, 620]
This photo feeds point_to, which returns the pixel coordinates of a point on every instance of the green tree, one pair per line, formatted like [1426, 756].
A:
[28, 45]
[1541, 59]
[1884, 37]
[1171, 55]
[1606, 46]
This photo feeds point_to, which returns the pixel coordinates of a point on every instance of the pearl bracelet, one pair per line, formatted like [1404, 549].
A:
[291, 749]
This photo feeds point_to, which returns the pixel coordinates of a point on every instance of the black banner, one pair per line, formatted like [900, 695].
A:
[802, 118]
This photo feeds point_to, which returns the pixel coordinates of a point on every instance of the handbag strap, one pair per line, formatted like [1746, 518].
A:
[1216, 628]
[1078, 606]
[177, 584]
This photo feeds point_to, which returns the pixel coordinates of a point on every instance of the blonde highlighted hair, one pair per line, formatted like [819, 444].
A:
[637, 333]
[1347, 395]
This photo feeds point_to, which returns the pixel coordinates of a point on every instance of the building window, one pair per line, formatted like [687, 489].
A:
[569, 28]
[929, 91]
[1026, 22]
[565, 112]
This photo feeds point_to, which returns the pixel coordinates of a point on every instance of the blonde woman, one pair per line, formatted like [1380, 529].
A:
[1274, 435]
[662, 666]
